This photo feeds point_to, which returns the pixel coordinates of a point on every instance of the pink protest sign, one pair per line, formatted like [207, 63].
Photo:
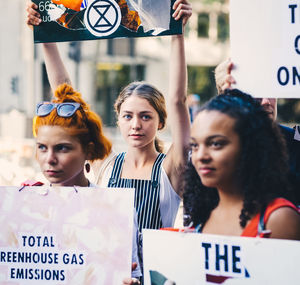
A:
[64, 235]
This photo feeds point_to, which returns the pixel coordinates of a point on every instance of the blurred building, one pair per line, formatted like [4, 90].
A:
[105, 66]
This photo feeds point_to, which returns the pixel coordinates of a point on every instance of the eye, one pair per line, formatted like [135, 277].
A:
[193, 146]
[42, 147]
[127, 117]
[217, 144]
[63, 148]
[146, 117]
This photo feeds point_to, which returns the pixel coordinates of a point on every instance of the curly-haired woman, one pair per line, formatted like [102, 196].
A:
[236, 183]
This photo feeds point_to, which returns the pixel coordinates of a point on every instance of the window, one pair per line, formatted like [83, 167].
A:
[223, 27]
[111, 78]
[203, 25]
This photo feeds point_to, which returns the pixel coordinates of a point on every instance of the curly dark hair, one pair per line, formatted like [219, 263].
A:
[262, 171]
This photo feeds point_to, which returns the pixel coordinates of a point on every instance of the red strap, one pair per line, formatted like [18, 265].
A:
[32, 183]
[251, 228]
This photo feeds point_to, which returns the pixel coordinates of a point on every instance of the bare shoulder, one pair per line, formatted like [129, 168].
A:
[284, 223]
[99, 166]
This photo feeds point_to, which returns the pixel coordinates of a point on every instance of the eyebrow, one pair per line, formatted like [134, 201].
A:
[212, 137]
[142, 112]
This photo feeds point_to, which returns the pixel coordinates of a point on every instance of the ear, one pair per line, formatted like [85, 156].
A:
[89, 150]
[160, 126]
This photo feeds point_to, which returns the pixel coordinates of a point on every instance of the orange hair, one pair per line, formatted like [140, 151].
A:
[85, 124]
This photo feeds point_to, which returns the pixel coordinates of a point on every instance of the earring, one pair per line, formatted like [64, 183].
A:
[87, 167]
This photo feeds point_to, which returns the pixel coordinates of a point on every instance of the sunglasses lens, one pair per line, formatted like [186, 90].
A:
[67, 109]
[44, 109]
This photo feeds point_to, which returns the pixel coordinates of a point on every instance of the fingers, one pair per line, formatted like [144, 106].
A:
[183, 10]
[131, 281]
[133, 266]
[33, 17]
[229, 80]
[230, 66]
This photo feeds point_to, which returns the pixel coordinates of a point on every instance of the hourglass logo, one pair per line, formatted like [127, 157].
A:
[102, 17]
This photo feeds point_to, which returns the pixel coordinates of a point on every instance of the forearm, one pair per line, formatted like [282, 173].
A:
[177, 71]
[57, 73]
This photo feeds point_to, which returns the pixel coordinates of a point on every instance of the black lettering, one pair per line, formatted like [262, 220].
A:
[28, 257]
[20, 273]
[31, 241]
[21, 256]
[62, 275]
[206, 246]
[297, 44]
[296, 75]
[12, 273]
[36, 257]
[47, 274]
[46, 242]
[293, 7]
[2, 256]
[66, 258]
[14, 256]
[44, 257]
[51, 242]
[74, 259]
[235, 259]
[24, 240]
[81, 260]
[55, 275]
[55, 258]
[285, 72]
[30, 274]
[38, 241]
[8, 256]
[223, 257]
[37, 275]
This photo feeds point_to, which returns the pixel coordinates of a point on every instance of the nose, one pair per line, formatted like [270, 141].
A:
[136, 123]
[201, 154]
[265, 101]
[51, 157]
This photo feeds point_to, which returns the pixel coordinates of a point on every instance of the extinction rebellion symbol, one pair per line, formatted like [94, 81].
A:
[102, 17]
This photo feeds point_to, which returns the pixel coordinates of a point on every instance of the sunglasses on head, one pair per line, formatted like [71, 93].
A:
[65, 110]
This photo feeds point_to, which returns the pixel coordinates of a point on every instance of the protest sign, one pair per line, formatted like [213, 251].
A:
[190, 258]
[265, 47]
[65, 235]
[64, 20]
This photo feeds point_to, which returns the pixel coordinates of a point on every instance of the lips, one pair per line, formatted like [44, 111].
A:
[206, 170]
[52, 173]
[136, 135]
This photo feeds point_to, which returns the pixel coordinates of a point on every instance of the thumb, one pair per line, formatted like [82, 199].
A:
[133, 266]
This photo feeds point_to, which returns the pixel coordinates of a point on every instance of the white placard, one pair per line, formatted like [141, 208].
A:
[65, 235]
[189, 258]
[265, 47]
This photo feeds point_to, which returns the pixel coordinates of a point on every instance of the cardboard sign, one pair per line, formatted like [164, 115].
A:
[265, 47]
[190, 258]
[65, 236]
[65, 20]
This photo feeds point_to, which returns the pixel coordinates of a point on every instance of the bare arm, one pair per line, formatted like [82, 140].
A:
[284, 223]
[56, 70]
[179, 117]
[57, 73]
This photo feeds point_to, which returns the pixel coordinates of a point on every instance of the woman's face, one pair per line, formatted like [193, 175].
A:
[60, 156]
[138, 122]
[215, 149]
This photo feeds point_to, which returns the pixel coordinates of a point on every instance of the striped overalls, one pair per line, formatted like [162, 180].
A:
[147, 198]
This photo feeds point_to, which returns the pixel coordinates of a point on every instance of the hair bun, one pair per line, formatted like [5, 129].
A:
[66, 93]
